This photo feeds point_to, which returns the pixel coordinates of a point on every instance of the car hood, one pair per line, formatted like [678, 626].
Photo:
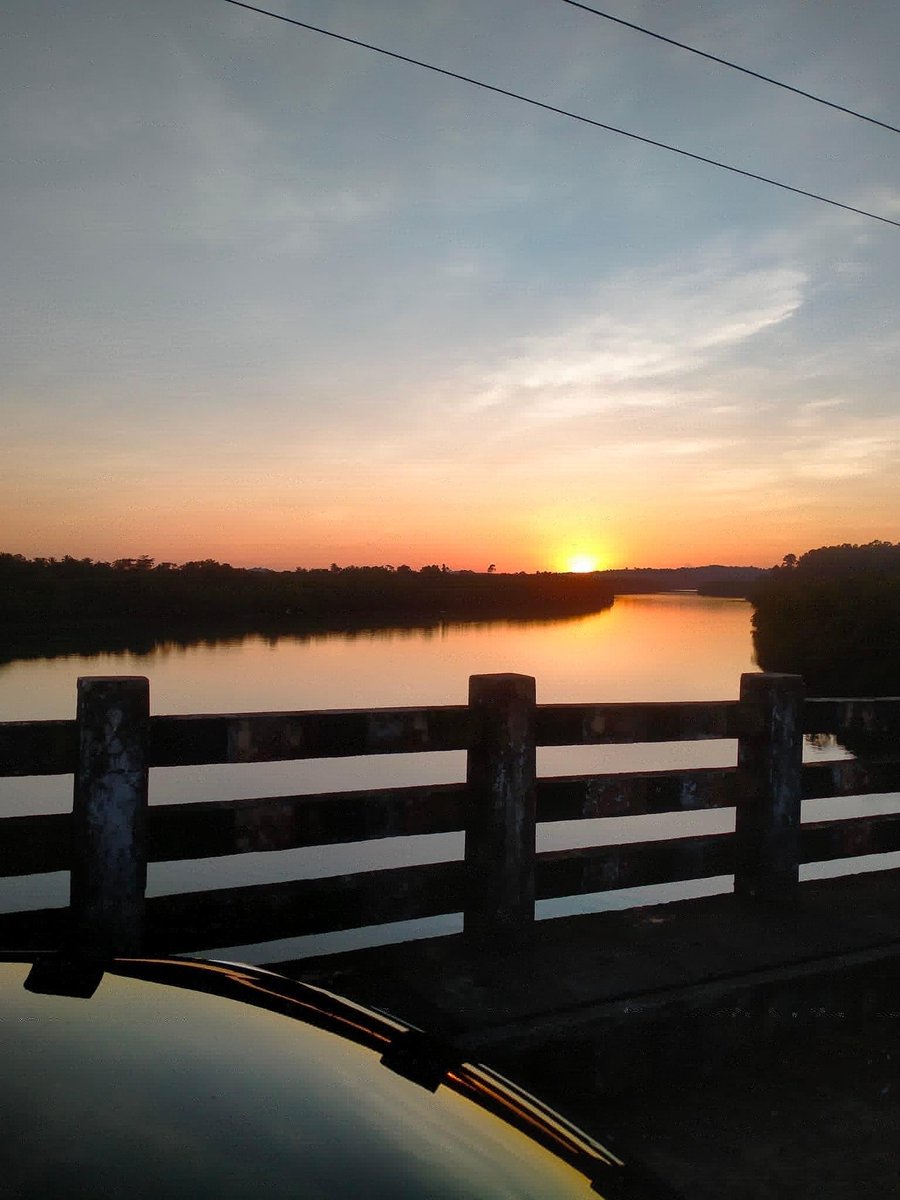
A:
[153, 1077]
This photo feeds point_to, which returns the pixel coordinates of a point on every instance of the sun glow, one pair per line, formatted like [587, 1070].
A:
[581, 564]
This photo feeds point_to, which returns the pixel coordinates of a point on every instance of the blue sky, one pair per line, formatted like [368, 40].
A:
[273, 299]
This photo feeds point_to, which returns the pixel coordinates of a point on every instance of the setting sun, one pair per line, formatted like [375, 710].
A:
[583, 563]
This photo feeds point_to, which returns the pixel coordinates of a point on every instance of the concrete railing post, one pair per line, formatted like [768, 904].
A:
[109, 815]
[770, 757]
[500, 826]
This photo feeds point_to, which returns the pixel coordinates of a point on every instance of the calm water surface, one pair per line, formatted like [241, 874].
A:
[665, 647]
[653, 647]
[657, 647]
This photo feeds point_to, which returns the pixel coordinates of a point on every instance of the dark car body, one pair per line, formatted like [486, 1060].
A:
[166, 1078]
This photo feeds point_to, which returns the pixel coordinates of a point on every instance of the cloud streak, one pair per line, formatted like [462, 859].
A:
[645, 337]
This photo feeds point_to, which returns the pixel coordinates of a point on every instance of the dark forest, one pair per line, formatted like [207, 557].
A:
[81, 592]
[832, 615]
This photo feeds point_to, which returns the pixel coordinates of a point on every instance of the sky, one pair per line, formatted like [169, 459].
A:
[277, 300]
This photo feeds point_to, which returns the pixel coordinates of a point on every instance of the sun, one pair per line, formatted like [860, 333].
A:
[581, 564]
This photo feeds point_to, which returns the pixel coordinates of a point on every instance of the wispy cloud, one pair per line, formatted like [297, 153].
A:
[847, 458]
[642, 330]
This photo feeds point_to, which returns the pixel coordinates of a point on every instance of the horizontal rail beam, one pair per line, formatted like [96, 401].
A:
[271, 737]
[849, 777]
[35, 845]
[634, 793]
[232, 916]
[607, 868]
[822, 841]
[875, 715]
[49, 747]
[210, 829]
[37, 748]
[607, 724]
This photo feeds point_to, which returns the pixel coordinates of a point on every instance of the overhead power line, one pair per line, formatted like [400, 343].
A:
[562, 112]
[724, 62]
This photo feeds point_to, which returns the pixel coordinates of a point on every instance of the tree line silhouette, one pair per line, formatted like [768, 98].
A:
[80, 591]
[832, 615]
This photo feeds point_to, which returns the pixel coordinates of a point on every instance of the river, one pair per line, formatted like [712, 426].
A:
[673, 646]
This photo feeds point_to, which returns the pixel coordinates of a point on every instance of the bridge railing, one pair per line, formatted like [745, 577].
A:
[112, 832]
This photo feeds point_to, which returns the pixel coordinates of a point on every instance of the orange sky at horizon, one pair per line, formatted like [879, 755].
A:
[526, 541]
[519, 511]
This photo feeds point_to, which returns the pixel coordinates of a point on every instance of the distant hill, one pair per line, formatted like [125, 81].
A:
[712, 580]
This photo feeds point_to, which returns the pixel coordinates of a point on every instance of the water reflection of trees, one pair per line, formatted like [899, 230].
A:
[138, 641]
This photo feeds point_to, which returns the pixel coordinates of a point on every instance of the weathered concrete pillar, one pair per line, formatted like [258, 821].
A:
[770, 757]
[500, 826]
[109, 815]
